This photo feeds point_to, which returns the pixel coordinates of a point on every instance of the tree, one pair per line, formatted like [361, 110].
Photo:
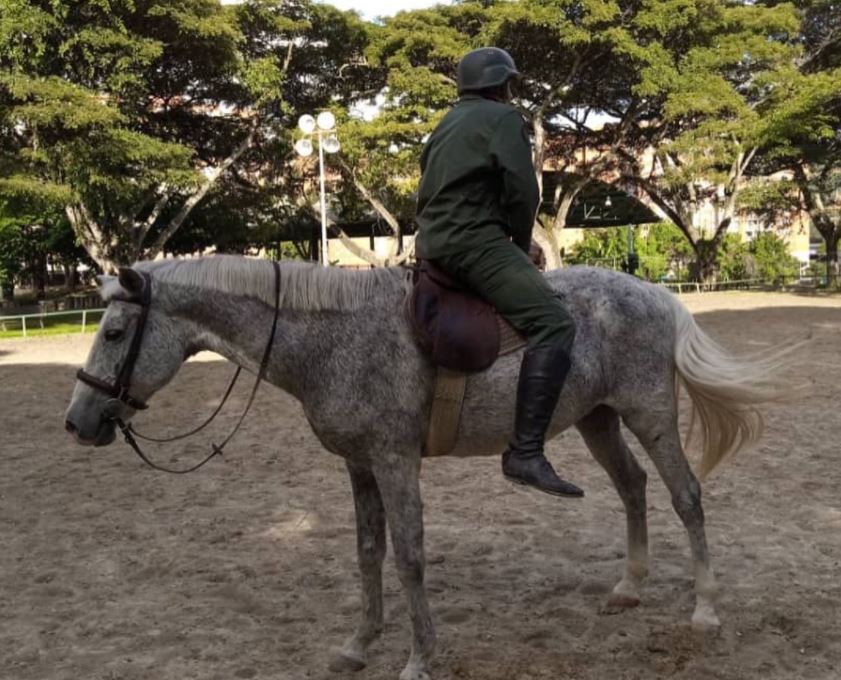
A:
[112, 102]
[140, 109]
[13, 253]
[33, 230]
[711, 103]
[803, 140]
[575, 56]
[410, 65]
[321, 53]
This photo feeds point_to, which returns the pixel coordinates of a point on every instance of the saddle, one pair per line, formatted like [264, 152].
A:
[461, 334]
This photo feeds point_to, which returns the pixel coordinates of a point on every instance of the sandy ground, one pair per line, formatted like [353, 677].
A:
[247, 569]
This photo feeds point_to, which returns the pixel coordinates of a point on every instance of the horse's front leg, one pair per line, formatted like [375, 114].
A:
[397, 478]
[371, 547]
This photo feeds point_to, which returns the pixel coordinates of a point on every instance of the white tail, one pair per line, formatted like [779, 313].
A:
[725, 390]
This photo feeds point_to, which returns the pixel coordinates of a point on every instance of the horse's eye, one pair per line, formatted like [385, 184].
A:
[113, 334]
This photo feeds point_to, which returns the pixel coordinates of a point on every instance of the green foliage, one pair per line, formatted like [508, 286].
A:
[733, 261]
[14, 250]
[771, 259]
[802, 136]
[766, 257]
[664, 254]
[116, 104]
[121, 106]
[662, 250]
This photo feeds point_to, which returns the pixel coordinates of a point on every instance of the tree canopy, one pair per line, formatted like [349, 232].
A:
[170, 124]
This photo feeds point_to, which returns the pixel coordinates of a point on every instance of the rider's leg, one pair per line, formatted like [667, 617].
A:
[506, 278]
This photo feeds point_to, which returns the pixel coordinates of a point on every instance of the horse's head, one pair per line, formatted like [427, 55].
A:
[137, 350]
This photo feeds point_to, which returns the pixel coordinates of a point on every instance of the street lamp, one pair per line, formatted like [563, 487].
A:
[324, 129]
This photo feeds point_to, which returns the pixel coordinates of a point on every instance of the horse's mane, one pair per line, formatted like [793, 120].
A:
[303, 286]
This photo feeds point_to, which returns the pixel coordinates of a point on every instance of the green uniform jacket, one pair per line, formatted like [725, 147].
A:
[478, 183]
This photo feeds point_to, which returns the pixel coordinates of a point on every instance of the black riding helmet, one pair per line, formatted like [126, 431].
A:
[484, 68]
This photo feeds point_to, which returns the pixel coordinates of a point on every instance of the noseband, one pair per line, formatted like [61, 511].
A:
[120, 389]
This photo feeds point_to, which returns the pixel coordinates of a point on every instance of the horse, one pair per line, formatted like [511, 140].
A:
[340, 337]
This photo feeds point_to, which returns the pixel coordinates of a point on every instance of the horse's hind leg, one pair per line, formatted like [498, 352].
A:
[657, 431]
[601, 432]
[371, 548]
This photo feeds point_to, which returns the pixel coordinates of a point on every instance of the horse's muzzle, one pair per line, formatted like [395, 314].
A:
[106, 433]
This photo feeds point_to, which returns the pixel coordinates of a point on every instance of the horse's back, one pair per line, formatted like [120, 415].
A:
[624, 329]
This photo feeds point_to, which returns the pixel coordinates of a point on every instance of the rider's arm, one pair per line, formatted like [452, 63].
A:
[511, 150]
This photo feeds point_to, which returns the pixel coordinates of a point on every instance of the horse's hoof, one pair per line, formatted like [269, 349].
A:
[414, 674]
[622, 601]
[346, 662]
[705, 620]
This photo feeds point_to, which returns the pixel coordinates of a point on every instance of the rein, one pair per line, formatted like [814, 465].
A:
[119, 390]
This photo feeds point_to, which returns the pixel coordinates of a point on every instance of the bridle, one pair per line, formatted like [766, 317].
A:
[120, 389]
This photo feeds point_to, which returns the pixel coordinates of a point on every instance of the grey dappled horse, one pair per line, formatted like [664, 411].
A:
[342, 339]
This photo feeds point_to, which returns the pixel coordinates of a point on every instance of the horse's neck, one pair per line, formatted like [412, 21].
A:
[237, 325]
[238, 329]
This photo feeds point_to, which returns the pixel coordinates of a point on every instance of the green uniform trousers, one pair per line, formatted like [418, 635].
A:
[505, 277]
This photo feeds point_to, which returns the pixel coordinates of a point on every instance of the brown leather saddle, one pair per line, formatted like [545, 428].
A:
[455, 327]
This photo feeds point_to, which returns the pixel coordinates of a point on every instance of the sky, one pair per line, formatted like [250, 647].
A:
[374, 8]
[370, 9]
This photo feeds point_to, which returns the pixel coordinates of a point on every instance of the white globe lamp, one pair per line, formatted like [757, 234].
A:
[326, 121]
[331, 144]
[306, 124]
[304, 147]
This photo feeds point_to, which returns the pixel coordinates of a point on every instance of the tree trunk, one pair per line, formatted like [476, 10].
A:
[563, 200]
[549, 245]
[40, 275]
[707, 269]
[70, 274]
[396, 256]
[7, 289]
[706, 259]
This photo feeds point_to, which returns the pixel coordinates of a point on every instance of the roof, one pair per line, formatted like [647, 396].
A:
[598, 205]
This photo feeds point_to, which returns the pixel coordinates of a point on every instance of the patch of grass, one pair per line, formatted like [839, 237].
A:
[56, 329]
[61, 325]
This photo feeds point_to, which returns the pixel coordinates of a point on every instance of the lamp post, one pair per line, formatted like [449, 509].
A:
[324, 129]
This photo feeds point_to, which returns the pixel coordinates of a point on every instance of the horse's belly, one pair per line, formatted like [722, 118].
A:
[487, 415]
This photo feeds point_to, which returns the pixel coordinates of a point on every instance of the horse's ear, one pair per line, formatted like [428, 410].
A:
[131, 281]
[104, 280]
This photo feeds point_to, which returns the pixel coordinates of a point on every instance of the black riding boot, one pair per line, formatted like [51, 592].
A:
[542, 376]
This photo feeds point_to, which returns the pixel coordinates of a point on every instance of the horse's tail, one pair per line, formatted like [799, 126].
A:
[725, 390]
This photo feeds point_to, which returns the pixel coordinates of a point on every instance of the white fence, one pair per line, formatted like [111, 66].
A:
[696, 287]
[27, 322]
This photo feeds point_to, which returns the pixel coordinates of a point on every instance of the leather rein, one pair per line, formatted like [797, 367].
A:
[120, 389]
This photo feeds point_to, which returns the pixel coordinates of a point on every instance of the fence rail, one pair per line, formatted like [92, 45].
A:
[27, 322]
[698, 287]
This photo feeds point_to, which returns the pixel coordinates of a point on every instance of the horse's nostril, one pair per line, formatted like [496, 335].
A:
[70, 427]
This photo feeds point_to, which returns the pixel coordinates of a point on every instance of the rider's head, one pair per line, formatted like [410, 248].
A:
[488, 72]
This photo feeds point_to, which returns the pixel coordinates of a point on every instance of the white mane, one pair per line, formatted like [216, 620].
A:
[303, 286]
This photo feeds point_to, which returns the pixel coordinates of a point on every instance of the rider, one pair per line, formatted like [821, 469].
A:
[477, 203]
